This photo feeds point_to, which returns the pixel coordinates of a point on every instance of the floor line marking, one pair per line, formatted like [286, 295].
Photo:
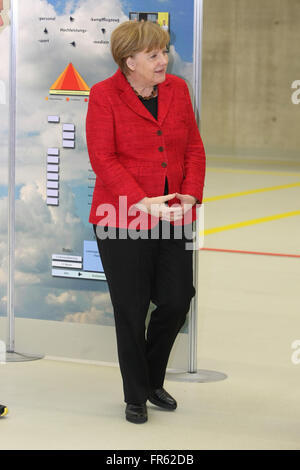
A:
[251, 191]
[254, 172]
[263, 253]
[247, 223]
[257, 161]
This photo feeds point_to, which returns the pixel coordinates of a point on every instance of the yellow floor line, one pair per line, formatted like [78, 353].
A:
[246, 223]
[257, 161]
[251, 191]
[252, 172]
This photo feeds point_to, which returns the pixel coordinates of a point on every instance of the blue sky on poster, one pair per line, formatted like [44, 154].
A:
[181, 14]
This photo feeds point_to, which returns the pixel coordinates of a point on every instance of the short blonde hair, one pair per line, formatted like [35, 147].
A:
[132, 37]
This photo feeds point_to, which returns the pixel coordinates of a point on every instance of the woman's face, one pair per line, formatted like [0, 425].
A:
[149, 68]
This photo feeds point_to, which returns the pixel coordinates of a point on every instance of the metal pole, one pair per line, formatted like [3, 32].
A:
[11, 176]
[11, 354]
[194, 375]
[197, 82]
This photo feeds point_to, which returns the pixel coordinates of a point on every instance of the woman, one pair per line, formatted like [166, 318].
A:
[146, 151]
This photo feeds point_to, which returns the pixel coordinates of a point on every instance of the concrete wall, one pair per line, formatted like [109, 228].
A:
[250, 59]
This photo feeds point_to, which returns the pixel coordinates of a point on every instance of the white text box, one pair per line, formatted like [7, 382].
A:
[63, 257]
[53, 168]
[69, 127]
[53, 118]
[69, 144]
[66, 264]
[69, 135]
[52, 201]
[52, 192]
[52, 176]
[53, 151]
[78, 274]
[51, 159]
[52, 184]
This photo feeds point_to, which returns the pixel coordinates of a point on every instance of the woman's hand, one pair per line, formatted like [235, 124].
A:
[156, 206]
[186, 199]
[187, 202]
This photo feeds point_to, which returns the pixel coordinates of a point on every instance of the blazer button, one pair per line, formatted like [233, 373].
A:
[159, 132]
[164, 164]
[161, 149]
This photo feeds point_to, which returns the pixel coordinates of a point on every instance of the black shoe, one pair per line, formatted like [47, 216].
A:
[3, 411]
[136, 413]
[162, 398]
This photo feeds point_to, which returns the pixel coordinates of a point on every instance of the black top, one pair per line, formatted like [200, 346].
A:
[151, 105]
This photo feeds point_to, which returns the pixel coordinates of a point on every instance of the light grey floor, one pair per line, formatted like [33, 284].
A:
[248, 319]
[56, 405]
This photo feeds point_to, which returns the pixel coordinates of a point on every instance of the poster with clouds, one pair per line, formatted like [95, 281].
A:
[63, 49]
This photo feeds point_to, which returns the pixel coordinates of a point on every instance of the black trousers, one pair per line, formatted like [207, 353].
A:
[137, 271]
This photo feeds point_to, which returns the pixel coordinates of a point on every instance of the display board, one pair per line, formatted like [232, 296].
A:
[63, 49]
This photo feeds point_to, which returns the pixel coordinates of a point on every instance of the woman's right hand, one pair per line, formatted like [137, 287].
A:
[156, 206]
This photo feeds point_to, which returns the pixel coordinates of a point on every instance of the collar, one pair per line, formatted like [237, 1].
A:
[165, 94]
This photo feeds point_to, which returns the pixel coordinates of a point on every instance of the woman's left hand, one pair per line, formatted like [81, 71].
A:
[187, 201]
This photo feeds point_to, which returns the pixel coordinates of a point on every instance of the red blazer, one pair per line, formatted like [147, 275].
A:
[131, 153]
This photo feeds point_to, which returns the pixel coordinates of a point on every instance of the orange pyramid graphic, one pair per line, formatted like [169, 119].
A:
[70, 83]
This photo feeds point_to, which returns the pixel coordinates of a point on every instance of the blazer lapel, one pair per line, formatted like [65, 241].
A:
[165, 95]
[128, 96]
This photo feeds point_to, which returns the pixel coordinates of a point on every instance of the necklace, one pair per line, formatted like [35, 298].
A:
[153, 93]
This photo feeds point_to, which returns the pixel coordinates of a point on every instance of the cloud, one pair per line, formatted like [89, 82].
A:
[96, 308]
[179, 67]
[38, 295]
[99, 312]
[4, 109]
[61, 299]
[40, 229]
[93, 316]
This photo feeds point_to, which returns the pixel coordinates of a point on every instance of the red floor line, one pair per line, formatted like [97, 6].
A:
[251, 252]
